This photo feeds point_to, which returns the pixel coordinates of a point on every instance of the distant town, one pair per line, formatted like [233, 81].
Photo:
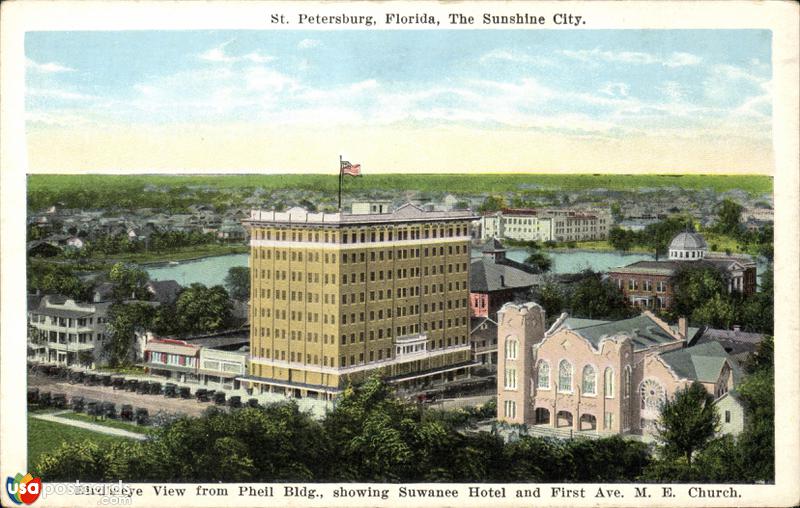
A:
[587, 312]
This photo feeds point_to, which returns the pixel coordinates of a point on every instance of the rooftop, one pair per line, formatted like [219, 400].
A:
[406, 213]
[645, 332]
[486, 275]
[702, 362]
[688, 241]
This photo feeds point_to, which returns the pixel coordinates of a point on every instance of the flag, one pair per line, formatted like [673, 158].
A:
[350, 169]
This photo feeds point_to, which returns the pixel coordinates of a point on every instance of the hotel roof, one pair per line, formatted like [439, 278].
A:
[406, 213]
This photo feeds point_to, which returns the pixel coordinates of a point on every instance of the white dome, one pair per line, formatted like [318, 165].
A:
[687, 246]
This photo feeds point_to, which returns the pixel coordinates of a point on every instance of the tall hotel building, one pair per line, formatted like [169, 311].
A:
[337, 297]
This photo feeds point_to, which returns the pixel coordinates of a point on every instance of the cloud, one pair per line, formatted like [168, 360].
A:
[673, 90]
[681, 60]
[726, 83]
[47, 68]
[506, 55]
[218, 54]
[308, 44]
[615, 89]
[52, 93]
[596, 55]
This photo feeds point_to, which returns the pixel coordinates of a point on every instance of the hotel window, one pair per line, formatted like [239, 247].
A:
[633, 284]
[510, 408]
[565, 376]
[543, 375]
[510, 379]
[648, 285]
[727, 417]
[608, 421]
[661, 286]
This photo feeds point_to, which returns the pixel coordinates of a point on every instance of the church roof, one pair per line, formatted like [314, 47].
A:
[645, 332]
[702, 362]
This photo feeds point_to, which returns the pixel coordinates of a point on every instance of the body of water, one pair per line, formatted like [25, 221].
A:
[212, 270]
[208, 271]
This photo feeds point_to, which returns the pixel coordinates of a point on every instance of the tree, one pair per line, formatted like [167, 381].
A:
[693, 285]
[200, 309]
[688, 421]
[551, 297]
[237, 282]
[492, 204]
[595, 298]
[538, 259]
[729, 213]
[124, 320]
[129, 281]
[621, 239]
[717, 312]
[758, 395]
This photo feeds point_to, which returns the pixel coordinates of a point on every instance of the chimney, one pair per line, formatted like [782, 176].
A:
[683, 330]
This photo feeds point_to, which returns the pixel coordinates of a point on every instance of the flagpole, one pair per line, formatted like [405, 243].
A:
[340, 184]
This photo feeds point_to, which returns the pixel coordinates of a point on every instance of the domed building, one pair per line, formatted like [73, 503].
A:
[687, 246]
[648, 284]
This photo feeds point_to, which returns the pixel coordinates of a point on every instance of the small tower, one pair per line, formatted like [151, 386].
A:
[494, 250]
[519, 326]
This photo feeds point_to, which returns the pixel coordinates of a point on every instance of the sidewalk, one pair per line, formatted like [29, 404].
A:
[53, 417]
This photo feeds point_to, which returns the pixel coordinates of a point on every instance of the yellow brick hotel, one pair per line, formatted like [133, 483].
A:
[337, 297]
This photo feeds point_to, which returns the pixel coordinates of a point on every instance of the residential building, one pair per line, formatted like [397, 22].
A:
[494, 280]
[738, 344]
[338, 297]
[649, 284]
[606, 377]
[522, 225]
[174, 359]
[63, 331]
[483, 341]
[542, 225]
[731, 412]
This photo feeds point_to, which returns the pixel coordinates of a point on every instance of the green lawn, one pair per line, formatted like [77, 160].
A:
[115, 424]
[46, 437]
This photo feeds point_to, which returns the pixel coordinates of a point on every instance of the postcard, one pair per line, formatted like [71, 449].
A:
[399, 254]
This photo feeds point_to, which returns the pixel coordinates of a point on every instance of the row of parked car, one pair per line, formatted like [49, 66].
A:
[142, 387]
[98, 409]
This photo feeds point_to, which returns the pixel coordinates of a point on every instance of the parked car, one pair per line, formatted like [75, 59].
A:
[142, 417]
[59, 400]
[170, 390]
[108, 410]
[77, 403]
[126, 413]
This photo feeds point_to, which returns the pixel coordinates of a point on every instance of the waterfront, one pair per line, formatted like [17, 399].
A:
[212, 270]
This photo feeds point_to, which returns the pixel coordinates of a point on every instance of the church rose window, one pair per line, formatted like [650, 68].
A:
[652, 395]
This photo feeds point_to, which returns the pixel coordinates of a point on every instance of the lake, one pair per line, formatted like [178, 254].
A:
[212, 270]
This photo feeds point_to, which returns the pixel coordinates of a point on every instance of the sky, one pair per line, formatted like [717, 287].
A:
[432, 101]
